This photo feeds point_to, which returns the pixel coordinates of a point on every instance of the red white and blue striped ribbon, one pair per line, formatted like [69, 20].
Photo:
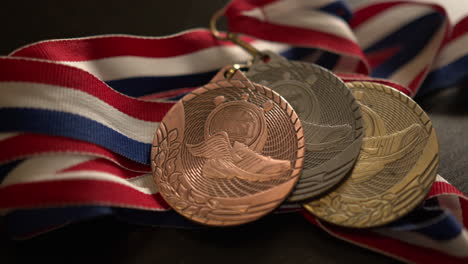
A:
[78, 115]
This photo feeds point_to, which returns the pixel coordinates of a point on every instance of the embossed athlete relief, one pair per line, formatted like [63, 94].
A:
[228, 152]
[235, 134]
[381, 148]
[329, 115]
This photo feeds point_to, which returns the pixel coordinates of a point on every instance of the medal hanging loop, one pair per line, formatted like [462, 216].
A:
[233, 37]
[229, 73]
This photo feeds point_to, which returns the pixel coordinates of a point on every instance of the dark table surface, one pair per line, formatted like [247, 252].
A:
[273, 239]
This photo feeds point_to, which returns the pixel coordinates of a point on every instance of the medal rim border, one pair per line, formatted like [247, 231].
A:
[297, 164]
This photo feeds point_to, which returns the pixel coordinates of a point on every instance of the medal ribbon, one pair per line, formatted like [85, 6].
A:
[79, 114]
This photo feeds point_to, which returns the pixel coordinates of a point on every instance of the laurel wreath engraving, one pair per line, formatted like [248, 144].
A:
[367, 213]
[176, 193]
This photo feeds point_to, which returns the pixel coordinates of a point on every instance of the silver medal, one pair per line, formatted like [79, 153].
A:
[329, 114]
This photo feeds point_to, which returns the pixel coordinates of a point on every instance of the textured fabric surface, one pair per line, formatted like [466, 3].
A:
[448, 110]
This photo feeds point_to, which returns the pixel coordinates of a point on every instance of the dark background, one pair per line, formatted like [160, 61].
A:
[273, 239]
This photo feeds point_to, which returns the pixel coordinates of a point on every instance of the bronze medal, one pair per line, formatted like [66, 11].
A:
[396, 167]
[329, 115]
[228, 152]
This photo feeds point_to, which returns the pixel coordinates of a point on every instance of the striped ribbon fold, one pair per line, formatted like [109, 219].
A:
[78, 115]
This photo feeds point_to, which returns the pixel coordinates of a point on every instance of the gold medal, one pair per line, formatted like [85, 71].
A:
[396, 167]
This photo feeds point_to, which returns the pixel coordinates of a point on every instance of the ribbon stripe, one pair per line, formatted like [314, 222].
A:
[30, 145]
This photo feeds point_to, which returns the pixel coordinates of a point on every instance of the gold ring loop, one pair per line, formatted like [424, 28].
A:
[233, 37]
[214, 20]
[229, 73]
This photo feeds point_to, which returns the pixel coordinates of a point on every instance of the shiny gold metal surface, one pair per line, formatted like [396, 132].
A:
[396, 167]
[228, 152]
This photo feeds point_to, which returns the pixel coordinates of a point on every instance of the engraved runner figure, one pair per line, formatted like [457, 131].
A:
[234, 140]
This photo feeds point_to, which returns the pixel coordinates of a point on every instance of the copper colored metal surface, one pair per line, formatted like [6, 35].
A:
[229, 152]
[329, 115]
[396, 167]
